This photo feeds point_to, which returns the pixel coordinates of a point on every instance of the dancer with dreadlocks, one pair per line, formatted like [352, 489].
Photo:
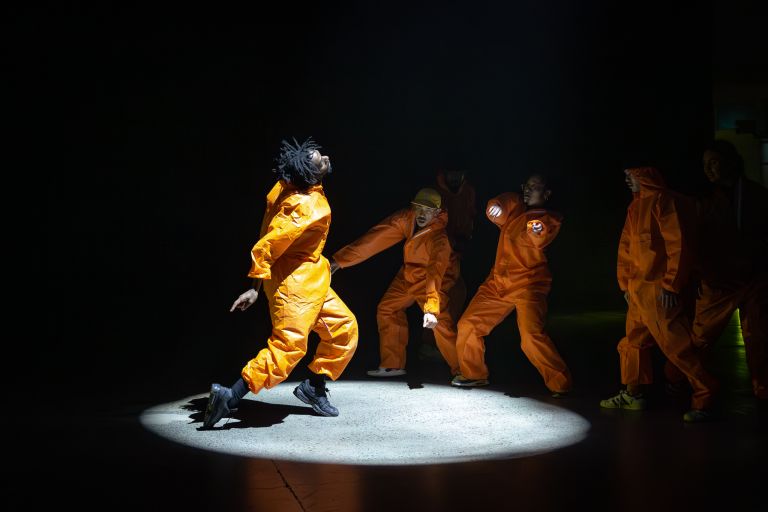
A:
[296, 278]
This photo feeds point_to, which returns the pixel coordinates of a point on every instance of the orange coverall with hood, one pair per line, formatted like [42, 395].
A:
[653, 256]
[520, 280]
[429, 270]
[296, 278]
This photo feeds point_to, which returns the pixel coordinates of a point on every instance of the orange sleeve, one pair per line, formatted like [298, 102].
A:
[439, 259]
[666, 213]
[624, 263]
[511, 207]
[291, 220]
[382, 236]
[542, 231]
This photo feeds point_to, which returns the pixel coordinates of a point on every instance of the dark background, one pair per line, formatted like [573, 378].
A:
[166, 121]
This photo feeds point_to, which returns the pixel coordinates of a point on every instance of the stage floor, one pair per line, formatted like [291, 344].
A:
[407, 443]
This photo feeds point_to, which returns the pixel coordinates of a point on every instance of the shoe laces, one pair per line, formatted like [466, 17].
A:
[321, 392]
[628, 397]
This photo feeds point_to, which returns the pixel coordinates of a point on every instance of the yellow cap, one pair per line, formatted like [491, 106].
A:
[428, 197]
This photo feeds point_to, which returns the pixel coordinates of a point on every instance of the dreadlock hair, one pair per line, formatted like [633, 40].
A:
[294, 163]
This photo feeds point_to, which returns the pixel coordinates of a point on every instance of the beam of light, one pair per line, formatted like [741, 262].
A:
[734, 328]
[380, 423]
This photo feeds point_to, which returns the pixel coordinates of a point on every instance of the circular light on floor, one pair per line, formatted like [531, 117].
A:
[380, 423]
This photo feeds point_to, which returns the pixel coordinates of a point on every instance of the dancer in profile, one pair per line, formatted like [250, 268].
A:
[652, 270]
[287, 262]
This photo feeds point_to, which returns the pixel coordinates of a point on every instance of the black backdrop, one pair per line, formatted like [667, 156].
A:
[168, 120]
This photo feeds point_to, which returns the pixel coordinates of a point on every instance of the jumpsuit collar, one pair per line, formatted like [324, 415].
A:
[290, 187]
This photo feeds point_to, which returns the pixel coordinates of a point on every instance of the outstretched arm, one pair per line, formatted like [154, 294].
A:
[382, 236]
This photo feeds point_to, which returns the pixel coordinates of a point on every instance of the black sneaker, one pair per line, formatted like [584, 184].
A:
[316, 397]
[217, 405]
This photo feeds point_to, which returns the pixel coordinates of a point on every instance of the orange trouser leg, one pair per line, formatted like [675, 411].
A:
[337, 328]
[445, 334]
[485, 311]
[537, 345]
[291, 324]
[393, 323]
[714, 308]
[753, 312]
[635, 349]
[671, 330]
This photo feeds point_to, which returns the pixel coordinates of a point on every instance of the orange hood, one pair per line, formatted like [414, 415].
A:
[649, 179]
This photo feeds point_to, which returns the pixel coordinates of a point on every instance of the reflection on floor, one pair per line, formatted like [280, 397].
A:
[106, 459]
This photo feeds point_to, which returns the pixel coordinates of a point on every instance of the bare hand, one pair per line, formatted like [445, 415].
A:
[430, 321]
[667, 299]
[494, 211]
[245, 300]
[334, 266]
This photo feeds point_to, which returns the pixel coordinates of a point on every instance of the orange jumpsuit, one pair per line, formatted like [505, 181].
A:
[519, 280]
[288, 257]
[651, 257]
[732, 256]
[462, 210]
[429, 270]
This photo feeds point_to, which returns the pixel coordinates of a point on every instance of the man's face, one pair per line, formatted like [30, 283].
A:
[631, 181]
[713, 168]
[424, 214]
[322, 162]
[535, 192]
[454, 179]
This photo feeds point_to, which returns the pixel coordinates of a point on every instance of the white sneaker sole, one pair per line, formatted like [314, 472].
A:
[474, 384]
